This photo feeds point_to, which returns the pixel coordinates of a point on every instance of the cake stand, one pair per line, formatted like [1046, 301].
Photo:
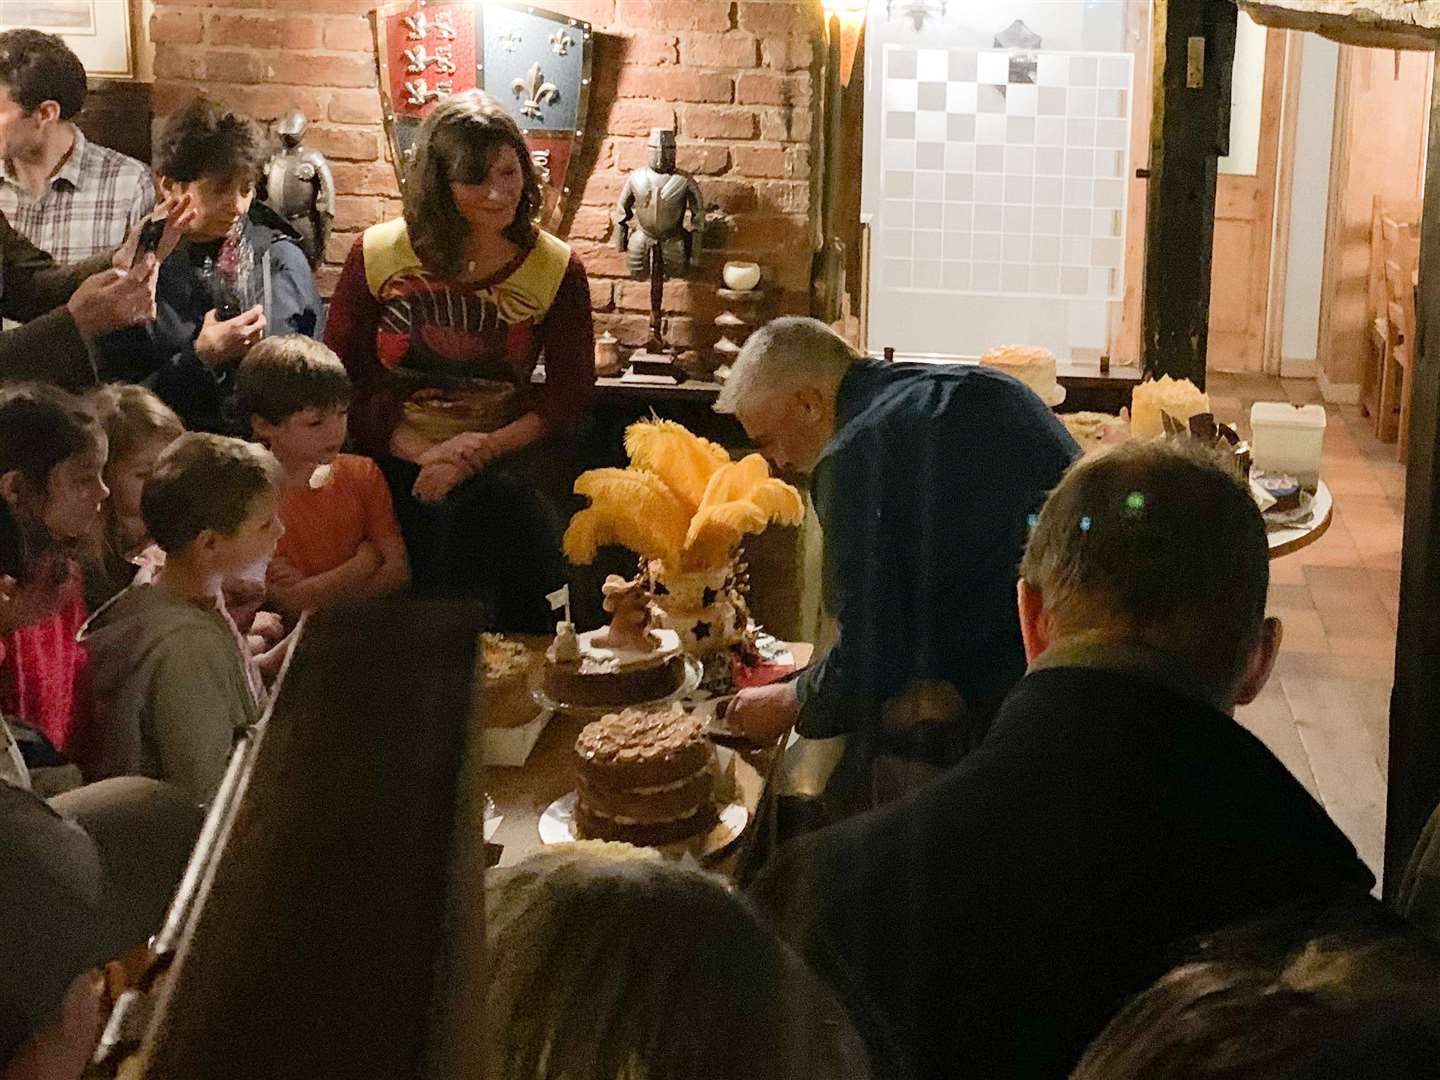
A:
[693, 673]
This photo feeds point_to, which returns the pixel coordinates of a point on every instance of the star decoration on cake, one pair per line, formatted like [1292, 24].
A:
[660, 589]
[707, 598]
[702, 631]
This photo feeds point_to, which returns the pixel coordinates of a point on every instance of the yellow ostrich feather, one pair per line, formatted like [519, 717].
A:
[679, 457]
[780, 502]
[735, 480]
[716, 531]
[628, 507]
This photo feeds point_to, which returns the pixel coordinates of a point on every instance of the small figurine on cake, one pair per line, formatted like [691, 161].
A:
[628, 603]
[684, 507]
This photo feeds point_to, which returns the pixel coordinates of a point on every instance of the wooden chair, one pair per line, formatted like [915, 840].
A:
[1401, 213]
[1402, 253]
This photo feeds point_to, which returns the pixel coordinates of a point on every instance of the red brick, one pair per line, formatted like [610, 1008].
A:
[783, 196]
[602, 189]
[325, 278]
[597, 12]
[602, 294]
[264, 31]
[177, 27]
[591, 223]
[359, 212]
[338, 246]
[344, 143]
[702, 158]
[172, 62]
[269, 102]
[680, 295]
[770, 233]
[601, 260]
[169, 95]
[355, 107]
[786, 125]
[763, 88]
[730, 50]
[716, 122]
[630, 329]
[674, 14]
[650, 48]
[690, 333]
[318, 7]
[372, 179]
[676, 85]
[239, 67]
[787, 53]
[349, 35]
[768, 17]
[731, 196]
[760, 160]
[637, 117]
[797, 162]
[339, 71]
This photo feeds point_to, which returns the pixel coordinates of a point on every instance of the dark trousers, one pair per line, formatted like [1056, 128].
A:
[495, 538]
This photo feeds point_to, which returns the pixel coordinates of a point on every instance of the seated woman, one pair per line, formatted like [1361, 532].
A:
[239, 274]
[440, 318]
[610, 963]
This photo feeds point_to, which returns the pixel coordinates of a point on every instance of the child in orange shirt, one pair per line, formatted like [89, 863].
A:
[341, 540]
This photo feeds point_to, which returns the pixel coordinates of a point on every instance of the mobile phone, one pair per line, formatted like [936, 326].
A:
[149, 242]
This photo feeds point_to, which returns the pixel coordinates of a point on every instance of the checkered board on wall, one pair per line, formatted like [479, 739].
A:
[1005, 173]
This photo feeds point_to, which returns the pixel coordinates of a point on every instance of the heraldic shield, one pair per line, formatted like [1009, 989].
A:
[534, 62]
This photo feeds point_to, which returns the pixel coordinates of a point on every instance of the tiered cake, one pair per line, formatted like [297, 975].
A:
[601, 675]
[704, 607]
[645, 776]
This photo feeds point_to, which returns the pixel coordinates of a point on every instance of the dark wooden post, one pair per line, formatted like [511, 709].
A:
[1414, 786]
[1194, 54]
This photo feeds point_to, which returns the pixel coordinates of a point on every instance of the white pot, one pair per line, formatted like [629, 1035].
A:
[741, 276]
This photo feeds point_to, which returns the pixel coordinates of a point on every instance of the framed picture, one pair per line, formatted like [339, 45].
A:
[97, 30]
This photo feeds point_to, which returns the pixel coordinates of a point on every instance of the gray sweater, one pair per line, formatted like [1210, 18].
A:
[171, 687]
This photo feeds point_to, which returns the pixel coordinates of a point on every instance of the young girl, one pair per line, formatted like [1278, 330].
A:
[52, 455]
[138, 426]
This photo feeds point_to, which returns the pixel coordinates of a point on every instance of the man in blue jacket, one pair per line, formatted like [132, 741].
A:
[924, 477]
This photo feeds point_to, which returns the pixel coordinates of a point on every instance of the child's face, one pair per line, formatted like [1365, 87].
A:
[305, 439]
[75, 493]
[220, 201]
[254, 541]
[125, 477]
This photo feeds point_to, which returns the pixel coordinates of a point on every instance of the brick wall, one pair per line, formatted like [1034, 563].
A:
[739, 82]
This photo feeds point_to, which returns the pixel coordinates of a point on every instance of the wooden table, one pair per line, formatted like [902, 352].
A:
[522, 794]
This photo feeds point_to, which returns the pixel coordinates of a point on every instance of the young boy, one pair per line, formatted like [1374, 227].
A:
[341, 541]
[239, 274]
[172, 677]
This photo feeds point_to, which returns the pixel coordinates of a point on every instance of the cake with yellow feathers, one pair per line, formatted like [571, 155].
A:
[684, 507]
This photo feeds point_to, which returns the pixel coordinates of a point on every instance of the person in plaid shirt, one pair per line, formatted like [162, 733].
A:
[63, 193]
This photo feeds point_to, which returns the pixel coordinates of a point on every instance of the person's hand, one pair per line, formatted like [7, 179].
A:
[437, 480]
[764, 713]
[111, 300]
[471, 449]
[367, 556]
[179, 213]
[282, 574]
[223, 340]
[62, 1048]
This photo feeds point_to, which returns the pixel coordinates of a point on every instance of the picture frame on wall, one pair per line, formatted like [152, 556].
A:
[97, 30]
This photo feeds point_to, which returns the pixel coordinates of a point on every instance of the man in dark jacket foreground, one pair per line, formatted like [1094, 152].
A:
[992, 922]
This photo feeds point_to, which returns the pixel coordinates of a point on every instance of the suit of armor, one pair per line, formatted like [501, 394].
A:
[300, 188]
[659, 219]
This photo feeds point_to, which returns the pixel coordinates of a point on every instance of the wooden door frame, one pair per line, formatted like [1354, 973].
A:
[1272, 355]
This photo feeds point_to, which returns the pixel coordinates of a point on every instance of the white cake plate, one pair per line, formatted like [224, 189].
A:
[693, 673]
[557, 822]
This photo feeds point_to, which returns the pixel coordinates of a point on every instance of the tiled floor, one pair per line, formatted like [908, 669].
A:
[1325, 713]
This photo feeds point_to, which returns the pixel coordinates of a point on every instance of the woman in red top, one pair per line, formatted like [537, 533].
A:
[440, 317]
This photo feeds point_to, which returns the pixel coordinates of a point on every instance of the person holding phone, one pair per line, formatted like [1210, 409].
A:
[239, 273]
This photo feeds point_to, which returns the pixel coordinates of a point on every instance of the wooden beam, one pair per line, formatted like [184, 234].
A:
[1190, 127]
[1414, 787]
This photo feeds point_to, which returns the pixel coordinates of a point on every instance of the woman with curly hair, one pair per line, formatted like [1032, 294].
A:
[239, 274]
[441, 317]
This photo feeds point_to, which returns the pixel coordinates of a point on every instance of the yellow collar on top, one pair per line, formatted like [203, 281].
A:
[525, 294]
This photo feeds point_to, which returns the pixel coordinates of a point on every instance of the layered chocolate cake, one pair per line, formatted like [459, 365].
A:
[645, 776]
[601, 675]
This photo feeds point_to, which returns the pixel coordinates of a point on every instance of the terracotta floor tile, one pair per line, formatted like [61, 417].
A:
[1365, 617]
[1287, 571]
[1304, 631]
[1285, 597]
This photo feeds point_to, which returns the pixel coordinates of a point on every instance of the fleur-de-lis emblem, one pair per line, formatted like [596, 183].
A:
[510, 41]
[445, 24]
[416, 26]
[536, 91]
[560, 43]
[541, 158]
